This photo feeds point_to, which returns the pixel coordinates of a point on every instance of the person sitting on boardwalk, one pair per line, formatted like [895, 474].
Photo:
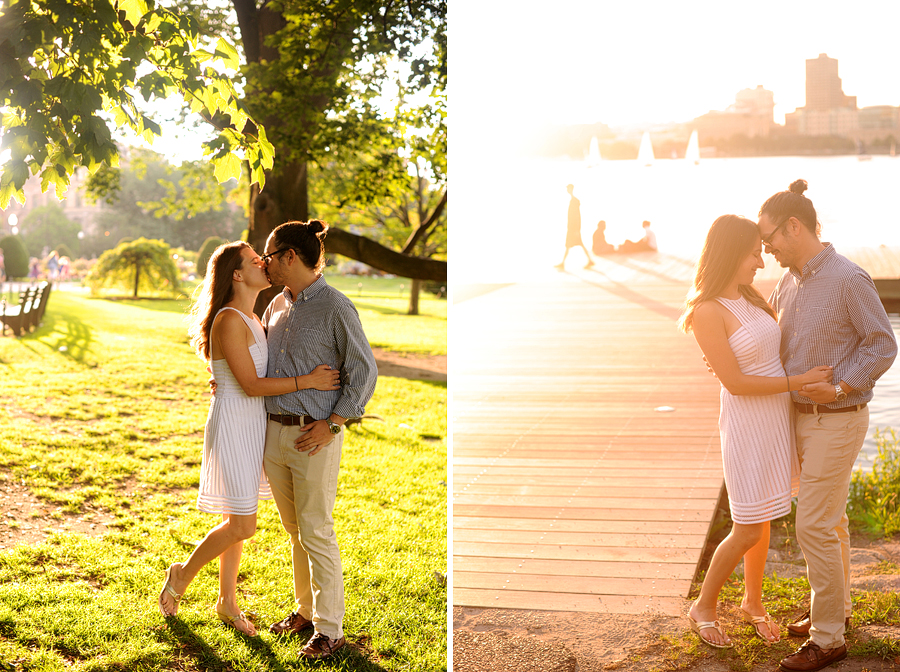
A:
[827, 306]
[573, 232]
[737, 332]
[645, 244]
[599, 244]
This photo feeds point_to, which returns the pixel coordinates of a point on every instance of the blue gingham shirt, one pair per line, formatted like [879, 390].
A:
[830, 314]
[320, 327]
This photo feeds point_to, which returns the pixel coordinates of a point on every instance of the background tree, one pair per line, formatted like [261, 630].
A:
[152, 198]
[141, 265]
[314, 70]
[46, 227]
[206, 250]
[66, 67]
[15, 256]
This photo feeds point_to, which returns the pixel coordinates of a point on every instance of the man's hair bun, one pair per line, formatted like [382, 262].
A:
[799, 186]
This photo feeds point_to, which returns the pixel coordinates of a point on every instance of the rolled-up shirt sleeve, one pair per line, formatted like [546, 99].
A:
[878, 345]
[359, 372]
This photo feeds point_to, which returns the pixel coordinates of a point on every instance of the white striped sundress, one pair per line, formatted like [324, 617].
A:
[232, 479]
[762, 470]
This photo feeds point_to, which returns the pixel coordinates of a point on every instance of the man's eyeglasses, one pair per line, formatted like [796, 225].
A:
[767, 241]
[265, 258]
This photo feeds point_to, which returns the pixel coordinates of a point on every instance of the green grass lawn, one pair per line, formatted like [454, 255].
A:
[104, 406]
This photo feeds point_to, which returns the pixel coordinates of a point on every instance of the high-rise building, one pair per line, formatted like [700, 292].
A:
[823, 86]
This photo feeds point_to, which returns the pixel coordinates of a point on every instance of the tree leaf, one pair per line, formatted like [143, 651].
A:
[228, 54]
[134, 10]
[226, 166]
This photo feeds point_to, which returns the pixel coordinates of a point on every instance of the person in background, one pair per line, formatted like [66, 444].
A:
[645, 244]
[829, 312]
[599, 244]
[573, 230]
[737, 332]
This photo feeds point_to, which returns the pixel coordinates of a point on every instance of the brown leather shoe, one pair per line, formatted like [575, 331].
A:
[801, 627]
[809, 658]
[321, 646]
[293, 624]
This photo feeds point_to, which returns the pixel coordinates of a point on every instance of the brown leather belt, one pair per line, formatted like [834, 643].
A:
[819, 408]
[292, 419]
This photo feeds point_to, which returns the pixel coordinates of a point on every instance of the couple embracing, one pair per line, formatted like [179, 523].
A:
[284, 388]
[797, 372]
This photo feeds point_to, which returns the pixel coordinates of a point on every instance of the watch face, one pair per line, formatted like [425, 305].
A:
[335, 429]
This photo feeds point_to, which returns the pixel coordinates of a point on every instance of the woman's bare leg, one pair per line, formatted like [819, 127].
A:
[727, 556]
[232, 530]
[754, 569]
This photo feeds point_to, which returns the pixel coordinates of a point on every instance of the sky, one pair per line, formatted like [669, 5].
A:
[516, 65]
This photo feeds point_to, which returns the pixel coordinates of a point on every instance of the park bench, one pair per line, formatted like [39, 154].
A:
[27, 315]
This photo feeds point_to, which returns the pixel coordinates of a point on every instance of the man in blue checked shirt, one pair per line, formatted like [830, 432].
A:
[309, 324]
[829, 313]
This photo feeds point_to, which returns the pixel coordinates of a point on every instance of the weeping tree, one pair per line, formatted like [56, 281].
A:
[139, 265]
[312, 72]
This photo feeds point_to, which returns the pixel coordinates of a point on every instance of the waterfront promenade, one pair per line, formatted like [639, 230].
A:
[586, 461]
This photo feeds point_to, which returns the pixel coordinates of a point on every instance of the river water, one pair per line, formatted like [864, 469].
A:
[519, 220]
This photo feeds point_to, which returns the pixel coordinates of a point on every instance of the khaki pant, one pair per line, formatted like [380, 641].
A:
[304, 489]
[827, 445]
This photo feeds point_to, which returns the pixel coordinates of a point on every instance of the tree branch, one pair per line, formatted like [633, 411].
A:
[339, 241]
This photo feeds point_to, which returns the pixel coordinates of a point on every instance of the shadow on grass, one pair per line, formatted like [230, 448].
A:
[64, 334]
[354, 656]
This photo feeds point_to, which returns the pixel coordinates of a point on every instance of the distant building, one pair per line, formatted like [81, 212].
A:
[823, 86]
[752, 115]
[830, 112]
[74, 204]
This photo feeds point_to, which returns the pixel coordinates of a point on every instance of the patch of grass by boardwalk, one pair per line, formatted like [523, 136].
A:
[102, 412]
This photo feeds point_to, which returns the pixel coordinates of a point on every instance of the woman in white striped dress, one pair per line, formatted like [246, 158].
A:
[226, 333]
[736, 330]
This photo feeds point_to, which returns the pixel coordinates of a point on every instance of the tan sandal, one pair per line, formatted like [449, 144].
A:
[697, 626]
[757, 622]
[171, 591]
[233, 621]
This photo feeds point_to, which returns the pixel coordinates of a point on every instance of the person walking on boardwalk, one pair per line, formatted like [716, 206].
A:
[737, 332]
[311, 322]
[829, 311]
[228, 335]
[573, 232]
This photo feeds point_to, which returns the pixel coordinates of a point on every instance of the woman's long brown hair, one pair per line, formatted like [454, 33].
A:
[214, 292]
[730, 239]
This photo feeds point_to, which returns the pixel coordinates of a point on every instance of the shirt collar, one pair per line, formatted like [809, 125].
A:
[317, 286]
[815, 264]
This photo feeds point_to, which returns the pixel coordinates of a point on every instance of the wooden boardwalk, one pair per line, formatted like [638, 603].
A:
[586, 461]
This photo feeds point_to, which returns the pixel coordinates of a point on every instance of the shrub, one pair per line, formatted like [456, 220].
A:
[143, 265]
[209, 246]
[15, 256]
[874, 502]
[63, 250]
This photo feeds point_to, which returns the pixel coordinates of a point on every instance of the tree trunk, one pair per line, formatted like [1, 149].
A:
[414, 288]
[137, 277]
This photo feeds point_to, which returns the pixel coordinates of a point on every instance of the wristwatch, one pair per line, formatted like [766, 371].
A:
[839, 394]
[336, 428]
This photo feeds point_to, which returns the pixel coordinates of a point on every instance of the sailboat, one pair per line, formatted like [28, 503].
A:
[692, 153]
[893, 149]
[594, 158]
[645, 153]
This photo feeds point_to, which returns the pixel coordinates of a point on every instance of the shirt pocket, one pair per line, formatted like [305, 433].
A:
[316, 344]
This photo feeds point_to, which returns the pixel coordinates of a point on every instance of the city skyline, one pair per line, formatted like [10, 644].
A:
[653, 63]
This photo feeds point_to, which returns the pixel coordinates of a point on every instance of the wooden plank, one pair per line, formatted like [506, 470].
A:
[582, 539]
[619, 570]
[567, 525]
[546, 552]
[566, 489]
[573, 513]
[603, 604]
[581, 584]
